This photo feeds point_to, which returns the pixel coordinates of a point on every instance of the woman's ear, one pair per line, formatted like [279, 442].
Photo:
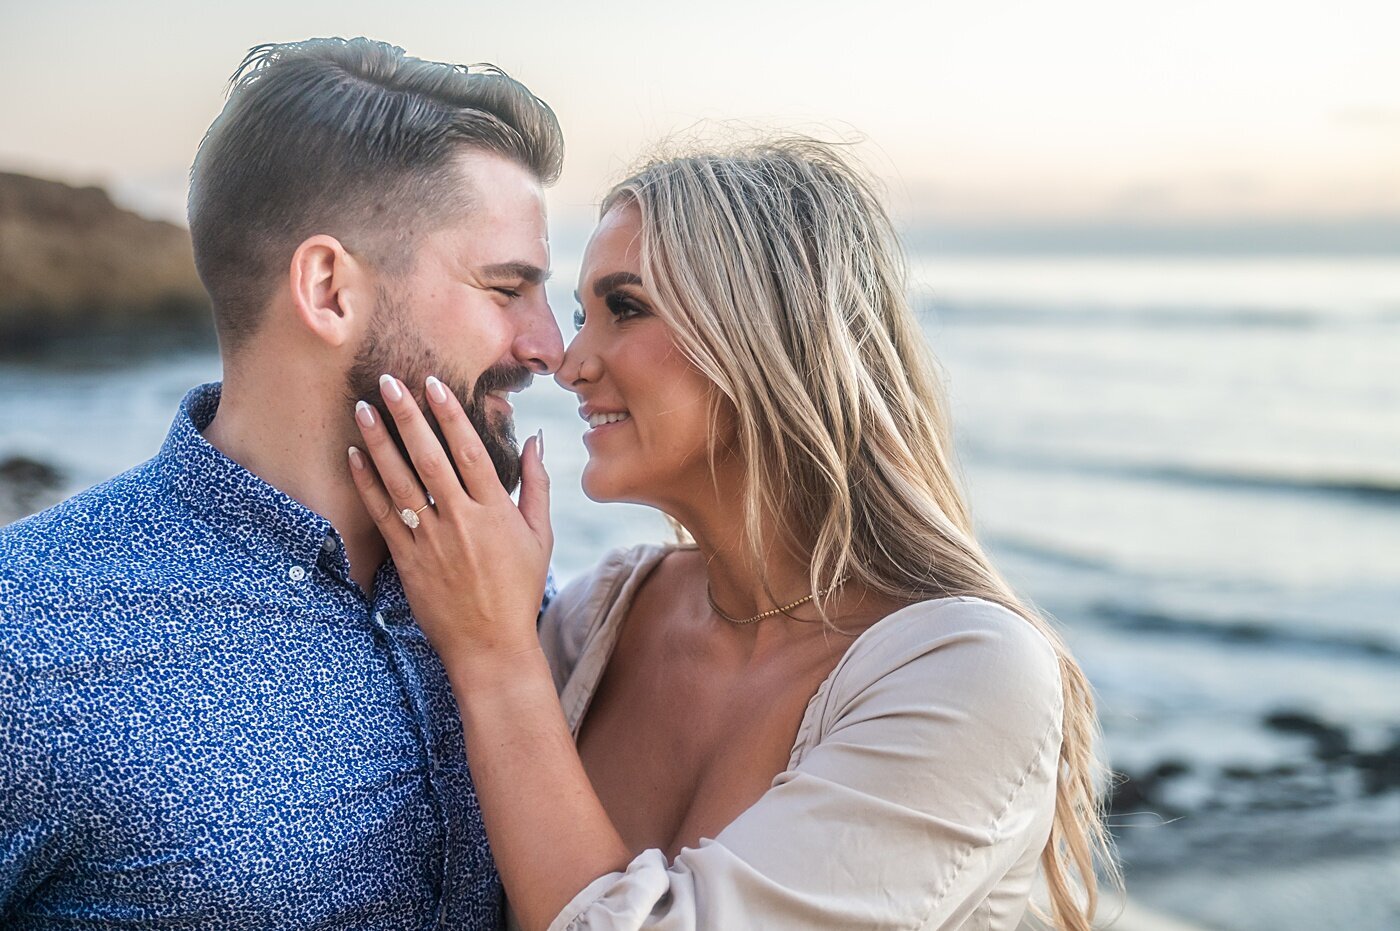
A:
[328, 288]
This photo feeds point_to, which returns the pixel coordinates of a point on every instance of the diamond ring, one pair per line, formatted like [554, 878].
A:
[410, 516]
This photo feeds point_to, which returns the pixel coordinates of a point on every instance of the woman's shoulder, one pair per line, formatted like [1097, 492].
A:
[980, 655]
[577, 613]
[941, 622]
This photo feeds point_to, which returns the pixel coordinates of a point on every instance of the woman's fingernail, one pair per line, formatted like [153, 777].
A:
[356, 460]
[539, 445]
[436, 391]
[364, 414]
[389, 387]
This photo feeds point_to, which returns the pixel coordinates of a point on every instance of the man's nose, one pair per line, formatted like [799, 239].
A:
[567, 375]
[540, 346]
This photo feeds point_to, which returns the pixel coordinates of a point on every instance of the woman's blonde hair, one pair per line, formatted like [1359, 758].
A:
[782, 280]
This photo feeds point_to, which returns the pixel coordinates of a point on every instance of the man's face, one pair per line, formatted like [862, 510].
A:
[472, 310]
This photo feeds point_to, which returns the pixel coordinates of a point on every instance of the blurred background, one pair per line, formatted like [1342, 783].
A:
[1155, 246]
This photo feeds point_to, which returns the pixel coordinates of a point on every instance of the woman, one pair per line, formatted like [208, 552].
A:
[828, 711]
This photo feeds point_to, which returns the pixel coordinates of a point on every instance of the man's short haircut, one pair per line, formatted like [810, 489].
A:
[350, 138]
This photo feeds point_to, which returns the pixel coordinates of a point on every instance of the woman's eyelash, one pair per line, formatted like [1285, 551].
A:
[619, 305]
[622, 307]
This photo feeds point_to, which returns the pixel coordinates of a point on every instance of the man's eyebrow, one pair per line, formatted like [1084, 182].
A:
[515, 271]
[609, 282]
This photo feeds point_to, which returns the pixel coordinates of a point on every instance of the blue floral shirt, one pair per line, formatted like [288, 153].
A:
[205, 724]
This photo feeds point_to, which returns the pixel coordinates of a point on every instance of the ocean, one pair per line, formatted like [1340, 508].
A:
[1193, 464]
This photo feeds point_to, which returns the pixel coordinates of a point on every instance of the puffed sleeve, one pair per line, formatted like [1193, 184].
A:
[572, 617]
[931, 776]
[563, 628]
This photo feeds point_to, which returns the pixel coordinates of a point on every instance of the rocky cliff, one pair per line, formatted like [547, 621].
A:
[75, 269]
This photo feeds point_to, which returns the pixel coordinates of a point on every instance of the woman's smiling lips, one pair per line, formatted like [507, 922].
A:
[599, 419]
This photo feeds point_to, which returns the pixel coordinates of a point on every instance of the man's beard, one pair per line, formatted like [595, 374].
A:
[391, 347]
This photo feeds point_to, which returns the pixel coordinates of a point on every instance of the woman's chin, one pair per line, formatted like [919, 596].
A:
[608, 485]
[596, 484]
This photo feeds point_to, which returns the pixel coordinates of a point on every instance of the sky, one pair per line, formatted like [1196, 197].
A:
[992, 114]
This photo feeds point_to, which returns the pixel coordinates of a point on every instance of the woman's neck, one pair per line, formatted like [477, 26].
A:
[744, 580]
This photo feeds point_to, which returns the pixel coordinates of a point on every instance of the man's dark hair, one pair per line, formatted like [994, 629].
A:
[350, 138]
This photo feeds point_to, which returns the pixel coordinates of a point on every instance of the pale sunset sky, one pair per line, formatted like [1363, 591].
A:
[984, 113]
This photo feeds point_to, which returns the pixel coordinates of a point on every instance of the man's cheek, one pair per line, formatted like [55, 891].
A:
[494, 334]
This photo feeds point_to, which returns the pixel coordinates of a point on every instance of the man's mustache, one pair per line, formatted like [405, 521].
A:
[509, 376]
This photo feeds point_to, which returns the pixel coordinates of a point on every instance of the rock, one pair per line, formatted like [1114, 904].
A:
[1129, 796]
[1380, 770]
[26, 486]
[1142, 792]
[74, 266]
[1330, 742]
[1169, 769]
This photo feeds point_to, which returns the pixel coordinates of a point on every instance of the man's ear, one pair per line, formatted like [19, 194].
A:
[328, 287]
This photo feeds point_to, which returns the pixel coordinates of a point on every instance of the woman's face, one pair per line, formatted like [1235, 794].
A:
[646, 405]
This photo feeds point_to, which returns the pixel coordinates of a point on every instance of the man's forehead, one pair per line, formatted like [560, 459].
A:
[481, 239]
[503, 232]
[497, 250]
[495, 183]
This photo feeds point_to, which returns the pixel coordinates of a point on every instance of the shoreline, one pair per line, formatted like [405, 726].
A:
[1133, 916]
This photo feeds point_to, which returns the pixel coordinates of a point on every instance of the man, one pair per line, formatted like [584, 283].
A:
[215, 709]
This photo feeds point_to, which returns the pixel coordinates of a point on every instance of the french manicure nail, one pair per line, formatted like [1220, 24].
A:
[539, 445]
[356, 460]
[436, 391]
[389, 387]
[364, 414]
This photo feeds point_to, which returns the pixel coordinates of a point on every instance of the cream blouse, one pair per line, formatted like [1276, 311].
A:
[919, 793]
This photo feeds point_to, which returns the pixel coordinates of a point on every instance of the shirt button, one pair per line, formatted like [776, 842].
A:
[296, 573]
[328, 545]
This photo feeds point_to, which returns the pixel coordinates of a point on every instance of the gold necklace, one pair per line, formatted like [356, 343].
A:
[785, 608]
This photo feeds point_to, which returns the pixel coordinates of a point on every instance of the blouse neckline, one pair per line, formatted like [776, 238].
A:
[630, 575]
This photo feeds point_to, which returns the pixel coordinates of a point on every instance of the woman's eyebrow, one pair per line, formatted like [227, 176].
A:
[608, 283]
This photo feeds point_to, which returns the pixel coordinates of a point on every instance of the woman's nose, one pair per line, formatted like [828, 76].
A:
[580, 364]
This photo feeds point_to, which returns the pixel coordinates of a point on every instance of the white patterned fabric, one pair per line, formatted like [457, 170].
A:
[919, 793]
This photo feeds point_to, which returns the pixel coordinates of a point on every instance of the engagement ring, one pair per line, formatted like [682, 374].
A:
[410, 516]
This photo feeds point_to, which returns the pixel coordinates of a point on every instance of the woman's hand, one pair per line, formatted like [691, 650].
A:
[474, 568]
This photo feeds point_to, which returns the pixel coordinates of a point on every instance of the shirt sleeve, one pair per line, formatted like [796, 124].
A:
[932, 775]
[563, 627]
[34, 839]
[569, 618]
[551, 590]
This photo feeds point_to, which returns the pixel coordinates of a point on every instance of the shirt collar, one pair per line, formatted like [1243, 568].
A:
[228, 497]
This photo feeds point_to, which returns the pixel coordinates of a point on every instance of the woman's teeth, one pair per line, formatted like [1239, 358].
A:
[597, 420]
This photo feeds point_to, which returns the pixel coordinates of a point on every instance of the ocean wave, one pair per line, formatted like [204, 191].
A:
[1051, 553]
[1377, 489]
[1167, 316]
[1241, 630]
